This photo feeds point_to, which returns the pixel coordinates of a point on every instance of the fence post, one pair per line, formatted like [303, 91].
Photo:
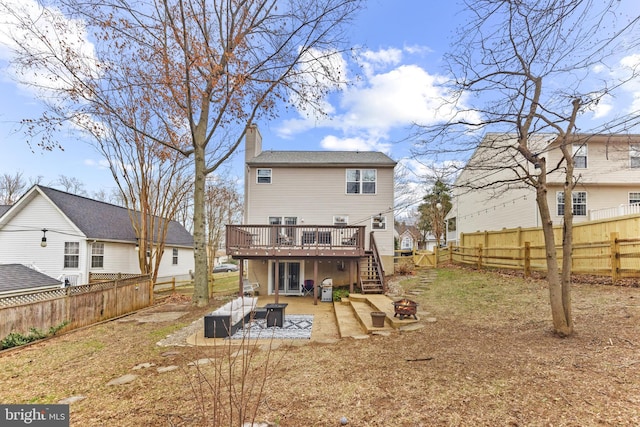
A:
[173, 285]
[479, 256]
[615, 257]
[527, 259]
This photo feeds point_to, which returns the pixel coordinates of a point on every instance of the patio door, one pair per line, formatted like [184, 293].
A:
[288, 277]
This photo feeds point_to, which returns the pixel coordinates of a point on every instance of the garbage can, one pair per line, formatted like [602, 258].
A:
[327, 290]
[275, 314]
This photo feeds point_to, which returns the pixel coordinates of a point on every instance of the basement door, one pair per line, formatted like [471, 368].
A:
[288, 277]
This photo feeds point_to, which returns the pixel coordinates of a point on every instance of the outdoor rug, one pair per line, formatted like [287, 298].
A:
[296, 326]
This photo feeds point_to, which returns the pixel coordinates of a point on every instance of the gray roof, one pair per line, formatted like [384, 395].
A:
[104, 221]
[4, 208]
[17, 277]
[322, 159]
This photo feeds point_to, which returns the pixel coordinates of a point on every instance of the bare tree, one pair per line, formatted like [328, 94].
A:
[153, 181]
[201, 72]
[521, 69]
[70, 185]
[223, 206]
[11, 188]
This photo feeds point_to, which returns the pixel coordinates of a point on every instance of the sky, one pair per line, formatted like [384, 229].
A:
[402, 44]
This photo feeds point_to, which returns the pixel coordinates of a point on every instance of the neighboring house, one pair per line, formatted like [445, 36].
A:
[607, 168]
[18, 277]
[410, 238]
[309, 215]
[66, 236]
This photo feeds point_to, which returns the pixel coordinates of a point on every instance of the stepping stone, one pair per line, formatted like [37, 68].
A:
[200, 362]
[170, 353]
[360, 337]
[238, 353]
[163, 369]
[411, 327]
[72, 399]
[125, 379]
[143, 366]
[431, 320]
[381, 333]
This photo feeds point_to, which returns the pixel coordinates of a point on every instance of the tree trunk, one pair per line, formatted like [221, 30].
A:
[554, 279]
[201, 277]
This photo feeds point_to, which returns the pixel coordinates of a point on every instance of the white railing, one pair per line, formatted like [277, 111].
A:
[614, 212]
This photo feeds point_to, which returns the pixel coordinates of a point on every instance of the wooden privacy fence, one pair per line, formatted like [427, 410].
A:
[606, 248]
[77, 305]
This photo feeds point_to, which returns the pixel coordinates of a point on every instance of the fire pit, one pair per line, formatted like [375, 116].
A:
[405, 308]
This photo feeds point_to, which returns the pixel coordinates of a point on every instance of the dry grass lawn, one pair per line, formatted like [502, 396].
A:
[490, 359]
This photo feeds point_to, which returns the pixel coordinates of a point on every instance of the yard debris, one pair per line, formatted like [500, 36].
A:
[419, 359]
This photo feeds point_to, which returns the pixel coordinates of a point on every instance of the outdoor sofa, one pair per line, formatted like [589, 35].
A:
[226, 320]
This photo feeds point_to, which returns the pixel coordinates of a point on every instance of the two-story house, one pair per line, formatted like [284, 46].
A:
[607, 172]
[312, 215]
[67, 237]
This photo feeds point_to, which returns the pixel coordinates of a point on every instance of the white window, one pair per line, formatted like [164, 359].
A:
[361, 181]
[580, 155]
[407, 243]
[379, 222]
[71, 254]
[174, 259]
[634, 198]
[340, 220]
[634, 155]
[579, 199]
[97, 255]
[264, 176]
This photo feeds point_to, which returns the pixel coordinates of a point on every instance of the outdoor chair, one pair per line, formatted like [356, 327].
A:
[307, 287]
[249, 288]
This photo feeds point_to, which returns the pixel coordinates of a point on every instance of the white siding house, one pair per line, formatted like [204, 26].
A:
[607, 172]
[66, 236]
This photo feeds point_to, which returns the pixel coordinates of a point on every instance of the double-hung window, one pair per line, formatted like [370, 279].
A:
[634, 198]
[174, 259]
[264, 176]
[361, 181]
[580, 156]
[579, 199]
[71, 254]
[97, 255]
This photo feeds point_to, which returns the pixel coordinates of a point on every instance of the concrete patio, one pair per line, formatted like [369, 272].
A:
[332, 320]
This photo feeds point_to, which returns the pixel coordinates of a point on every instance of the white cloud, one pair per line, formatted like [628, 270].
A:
[334, 143]
[100, 164]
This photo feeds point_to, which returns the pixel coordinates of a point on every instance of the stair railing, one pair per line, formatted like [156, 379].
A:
[378, 264]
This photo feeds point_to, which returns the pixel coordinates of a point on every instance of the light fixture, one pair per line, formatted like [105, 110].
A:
[43, 242]
[439, 206]
[137, 244]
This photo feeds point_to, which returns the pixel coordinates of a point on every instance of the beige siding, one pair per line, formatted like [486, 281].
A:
[607, 180]
[315, 195]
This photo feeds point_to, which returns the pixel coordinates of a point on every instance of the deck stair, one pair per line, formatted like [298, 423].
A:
[353, 315]
[370, 280]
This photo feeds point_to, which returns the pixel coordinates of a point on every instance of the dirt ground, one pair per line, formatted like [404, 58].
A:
[489, 359]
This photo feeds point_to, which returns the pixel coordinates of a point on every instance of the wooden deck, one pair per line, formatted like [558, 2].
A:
[295, 241]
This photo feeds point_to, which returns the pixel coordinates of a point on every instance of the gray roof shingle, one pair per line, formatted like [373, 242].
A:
[322, 158]
[16, 277]
[104, 221]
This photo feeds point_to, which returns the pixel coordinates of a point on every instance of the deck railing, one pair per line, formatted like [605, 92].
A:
[241, 238]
